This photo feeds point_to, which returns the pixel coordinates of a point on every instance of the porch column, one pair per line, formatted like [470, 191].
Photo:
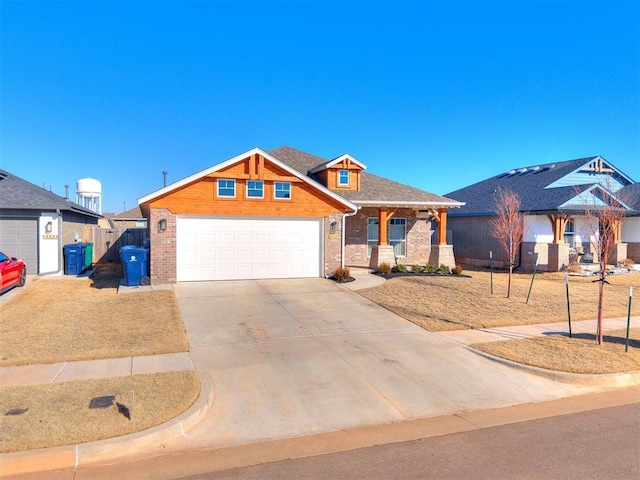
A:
[382, 252]
[441, 253]
[617, 231]
[441, 218]
[558, 225]
[383, 218]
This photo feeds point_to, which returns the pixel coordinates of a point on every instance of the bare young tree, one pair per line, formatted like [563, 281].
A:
[507, 227]
[603, 222]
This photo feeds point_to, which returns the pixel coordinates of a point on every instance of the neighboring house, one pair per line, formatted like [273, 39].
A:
[132, 218]
[285, 213]
[630, 195]
[553, 197]
[35, 224]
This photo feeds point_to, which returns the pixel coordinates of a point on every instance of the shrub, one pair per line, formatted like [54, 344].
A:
[417, 268]
[457, 269]
[574, 267]
[444, 270]
[430, 268]
[400, 268]
[342, 274]
[626, 263]
[384, 267]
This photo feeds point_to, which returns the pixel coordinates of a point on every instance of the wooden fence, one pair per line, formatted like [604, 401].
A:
[108, 241]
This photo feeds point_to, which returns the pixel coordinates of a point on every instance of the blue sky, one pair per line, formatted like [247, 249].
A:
[438, 95]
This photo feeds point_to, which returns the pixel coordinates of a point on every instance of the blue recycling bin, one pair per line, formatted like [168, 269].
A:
[74, 255]
[136, 265]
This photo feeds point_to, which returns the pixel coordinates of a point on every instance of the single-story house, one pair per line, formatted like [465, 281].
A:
[553, 198]
[284, 213]
[132, 218]
[630, 234]
[35, 224]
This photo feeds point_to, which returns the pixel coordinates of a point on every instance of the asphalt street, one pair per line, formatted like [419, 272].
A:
[602, 444]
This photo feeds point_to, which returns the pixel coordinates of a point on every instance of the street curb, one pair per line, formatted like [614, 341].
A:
[75, 456]
[602, 380]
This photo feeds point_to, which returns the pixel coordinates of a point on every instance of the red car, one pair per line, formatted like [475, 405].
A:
[13, 272]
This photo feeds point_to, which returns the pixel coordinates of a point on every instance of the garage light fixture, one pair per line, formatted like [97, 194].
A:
[162, 225]
[333, 227]
[48, 228]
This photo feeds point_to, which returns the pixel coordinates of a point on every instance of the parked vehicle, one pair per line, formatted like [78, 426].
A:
[13, 272]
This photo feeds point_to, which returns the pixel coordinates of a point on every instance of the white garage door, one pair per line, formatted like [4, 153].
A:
[247, 248]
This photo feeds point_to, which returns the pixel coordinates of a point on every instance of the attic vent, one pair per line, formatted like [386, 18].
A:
[522, 171]
[2, 176]
[535, 169]
[511, 172]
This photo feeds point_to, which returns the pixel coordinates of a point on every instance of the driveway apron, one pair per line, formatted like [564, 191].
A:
[298, 357]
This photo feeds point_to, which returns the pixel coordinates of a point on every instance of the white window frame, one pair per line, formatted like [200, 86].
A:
[370, 240]
[569, 234]
[233, 182]
[400, 243]
[256, 182]
[340, 182]
[275, 190]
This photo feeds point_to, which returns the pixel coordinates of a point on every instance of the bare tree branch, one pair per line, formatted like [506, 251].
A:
[507, 227]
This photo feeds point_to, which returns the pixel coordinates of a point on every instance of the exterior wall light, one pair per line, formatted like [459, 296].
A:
[48, 228]
[162, 225]
[333, 227]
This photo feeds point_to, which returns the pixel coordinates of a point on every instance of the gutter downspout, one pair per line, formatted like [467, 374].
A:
[344, 218]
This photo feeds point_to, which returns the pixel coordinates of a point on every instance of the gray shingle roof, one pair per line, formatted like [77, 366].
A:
[18, 194]
[630, 195]
[132, 214]
[528, 183]
[374, 190]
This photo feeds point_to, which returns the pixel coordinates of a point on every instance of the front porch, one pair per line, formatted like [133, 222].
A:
[396, 235]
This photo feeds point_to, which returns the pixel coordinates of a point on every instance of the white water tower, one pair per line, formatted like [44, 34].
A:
[89, 194]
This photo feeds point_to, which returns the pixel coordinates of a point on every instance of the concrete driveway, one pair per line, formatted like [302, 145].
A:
[297, 357]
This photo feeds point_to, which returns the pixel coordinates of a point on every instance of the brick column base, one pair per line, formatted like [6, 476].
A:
[619, 253]
[558, 256]
[381, 254]
[442, 255]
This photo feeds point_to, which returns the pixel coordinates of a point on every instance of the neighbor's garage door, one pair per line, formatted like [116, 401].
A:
[247, 248]
[19, 238]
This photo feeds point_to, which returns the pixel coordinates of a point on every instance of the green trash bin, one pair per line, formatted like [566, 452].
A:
[88, 255]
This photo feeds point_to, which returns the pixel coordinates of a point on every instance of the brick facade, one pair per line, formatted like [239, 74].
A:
[633, 251]
[163, 266]
[332, 244]
[419, 234]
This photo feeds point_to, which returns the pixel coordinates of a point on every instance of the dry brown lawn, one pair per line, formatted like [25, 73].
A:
[439, 303]
[579, 354]
[67, 319]
[59, 414]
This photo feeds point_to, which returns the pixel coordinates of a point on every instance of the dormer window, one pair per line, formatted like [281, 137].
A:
[343, 178]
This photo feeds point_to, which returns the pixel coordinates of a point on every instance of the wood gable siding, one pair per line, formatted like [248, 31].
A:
[200, 197]
[329, 177]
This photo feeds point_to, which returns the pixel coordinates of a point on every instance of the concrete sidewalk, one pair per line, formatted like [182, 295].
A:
[307, 362]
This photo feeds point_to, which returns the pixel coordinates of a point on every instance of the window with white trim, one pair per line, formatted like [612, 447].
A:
[372, 233]
[282, 190]
[226, 188]
[343, 178]
[255, 189]
[570, 234]
[398, 236]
